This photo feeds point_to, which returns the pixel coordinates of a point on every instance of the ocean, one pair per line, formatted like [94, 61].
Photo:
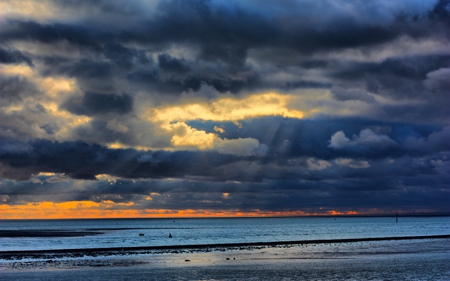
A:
[111, 233]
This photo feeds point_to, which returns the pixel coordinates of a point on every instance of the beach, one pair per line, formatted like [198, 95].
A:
[384, 259]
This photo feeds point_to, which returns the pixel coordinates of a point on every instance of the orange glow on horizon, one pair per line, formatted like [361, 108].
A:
[338, 213]
[110, 209]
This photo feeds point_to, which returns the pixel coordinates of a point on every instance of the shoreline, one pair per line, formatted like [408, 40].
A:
[420, 259]
[121, 251]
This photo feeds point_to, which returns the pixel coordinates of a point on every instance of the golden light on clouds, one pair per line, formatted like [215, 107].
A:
[186, 136]
[152, 196]
[118, 145]
[218, 129]
[174, 118]
[38, 10]
[107, 178]
[16, 70]
[68, 119]
[50, 92]
[46, 174]
[228, 109]
[170, 121]
[55, 86]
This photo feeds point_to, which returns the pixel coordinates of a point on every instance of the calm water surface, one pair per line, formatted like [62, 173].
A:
[125, 232]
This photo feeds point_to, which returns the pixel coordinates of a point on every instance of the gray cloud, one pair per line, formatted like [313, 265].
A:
[342, 94]
[14, 89]
[98, 103]
[222, 35]
[366, 138]
[281, 195]
[82, 160]
[14, 57]
[399, 77]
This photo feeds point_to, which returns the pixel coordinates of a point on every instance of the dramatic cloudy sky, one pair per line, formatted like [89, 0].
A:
[209, 107]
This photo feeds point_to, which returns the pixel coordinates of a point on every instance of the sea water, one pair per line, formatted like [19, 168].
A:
[155, 232]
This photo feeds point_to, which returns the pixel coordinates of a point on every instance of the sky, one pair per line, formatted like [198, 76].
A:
[200, 108]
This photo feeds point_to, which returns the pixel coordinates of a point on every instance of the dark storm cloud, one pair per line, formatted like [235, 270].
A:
[401, 77]
[98, 130]
[307, 84]
[82, 160]
[169, 64]
[52, 33]
[124, 57]
[14, 57]
[385, 193]
[118, 59]
[14, 89]
[234, 25]
[233, 55]
[223, 34]
[98, 103]
[152, 80]
[90, 69]
[438, 82]
[226, 30]
[103, 129]
[342, 94]
[366, 138]
[174, 77]
[203, 22]
[419, 77]
[428, 112]
[289, 148]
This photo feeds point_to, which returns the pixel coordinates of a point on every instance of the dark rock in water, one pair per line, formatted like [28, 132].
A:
[170, 235]
[187, 260]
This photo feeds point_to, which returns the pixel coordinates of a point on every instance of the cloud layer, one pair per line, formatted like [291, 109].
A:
[169, 105]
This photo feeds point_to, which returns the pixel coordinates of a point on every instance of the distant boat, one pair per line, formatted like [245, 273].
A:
[170, 235]
[141, 234]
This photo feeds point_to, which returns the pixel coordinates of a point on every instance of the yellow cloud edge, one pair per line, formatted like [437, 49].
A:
[173, 120]
[227, 109]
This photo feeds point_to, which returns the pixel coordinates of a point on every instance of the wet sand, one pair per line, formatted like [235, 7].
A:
[412, 259]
